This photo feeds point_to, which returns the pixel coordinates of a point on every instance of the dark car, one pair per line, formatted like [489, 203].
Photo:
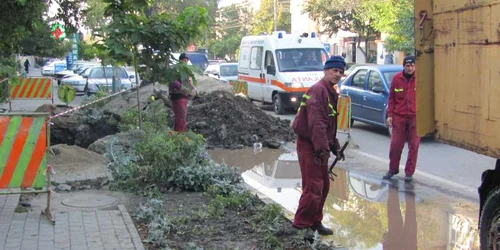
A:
[368, 88]
[199, 60]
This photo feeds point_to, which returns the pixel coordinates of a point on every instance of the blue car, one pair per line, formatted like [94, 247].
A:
[368, 88]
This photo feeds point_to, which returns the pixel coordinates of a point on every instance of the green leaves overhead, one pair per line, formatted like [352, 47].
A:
[150, 39]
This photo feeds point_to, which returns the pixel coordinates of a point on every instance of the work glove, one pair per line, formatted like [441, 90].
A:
[321, 157]
[335, 149]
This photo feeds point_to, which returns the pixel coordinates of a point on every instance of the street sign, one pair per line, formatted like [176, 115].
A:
[327, 47]
[57, 31]
[74, 47]
[69, 61]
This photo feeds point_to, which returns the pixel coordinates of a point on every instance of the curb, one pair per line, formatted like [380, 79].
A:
[136, 239]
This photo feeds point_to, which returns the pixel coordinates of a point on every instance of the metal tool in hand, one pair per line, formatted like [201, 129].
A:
[330, 171]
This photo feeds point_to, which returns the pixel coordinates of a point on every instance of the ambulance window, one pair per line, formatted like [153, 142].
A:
[269, 58]
[256, 58]
[244, 57]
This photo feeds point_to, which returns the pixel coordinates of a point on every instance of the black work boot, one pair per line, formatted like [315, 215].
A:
[322, 230]
[408, 178]
[389, 175]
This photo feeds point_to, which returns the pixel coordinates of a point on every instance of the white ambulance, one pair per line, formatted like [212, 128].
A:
[279, 68]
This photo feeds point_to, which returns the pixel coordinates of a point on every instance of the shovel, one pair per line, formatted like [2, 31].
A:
[331, 174]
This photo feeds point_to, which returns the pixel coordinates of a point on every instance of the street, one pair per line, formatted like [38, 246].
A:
[458, 169]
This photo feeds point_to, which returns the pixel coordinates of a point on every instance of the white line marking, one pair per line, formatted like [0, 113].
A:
[421, 173]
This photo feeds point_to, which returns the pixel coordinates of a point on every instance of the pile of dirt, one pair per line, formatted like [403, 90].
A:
[81, 127]
[74, 159]
[229, 121]
[207, 85]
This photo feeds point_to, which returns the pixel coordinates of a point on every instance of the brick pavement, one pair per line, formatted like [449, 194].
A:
[75, 230]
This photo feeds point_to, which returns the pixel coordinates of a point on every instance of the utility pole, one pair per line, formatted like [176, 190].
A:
[275, 15]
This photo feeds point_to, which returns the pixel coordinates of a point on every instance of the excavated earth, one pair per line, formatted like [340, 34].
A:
[229, 121]
[225, 120]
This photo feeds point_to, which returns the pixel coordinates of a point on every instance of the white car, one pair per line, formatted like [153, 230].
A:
[49, 68]
[78, 82]
[102, 78]
[224, 72]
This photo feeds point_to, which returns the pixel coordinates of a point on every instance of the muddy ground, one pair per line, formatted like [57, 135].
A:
[232, 230]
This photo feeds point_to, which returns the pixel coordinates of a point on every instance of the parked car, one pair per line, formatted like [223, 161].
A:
[368, 88]
[212, 62]
[102, 77]
[353, 67]
[78, 82]
[199, 60]
[76, 69]
[224, 72]
[53, 67]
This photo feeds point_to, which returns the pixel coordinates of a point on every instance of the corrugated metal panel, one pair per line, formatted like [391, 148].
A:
[467, 74]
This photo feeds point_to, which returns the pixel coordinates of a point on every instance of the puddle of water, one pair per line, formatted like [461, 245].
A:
[363, 211]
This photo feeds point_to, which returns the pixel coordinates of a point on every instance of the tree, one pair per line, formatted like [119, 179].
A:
[16, 17]
[396, 19]
[264, 18]
[347, 15]
[233, 24]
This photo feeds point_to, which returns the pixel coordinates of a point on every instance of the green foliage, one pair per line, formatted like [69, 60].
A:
[264, 18]
[165, 152]
[150, 38]
[17, 19]
[233, 25]
[347, 15]
[152, 214]
[198, 178]
[87, 51]
[154, 118]
[8, 69]
[396, 19]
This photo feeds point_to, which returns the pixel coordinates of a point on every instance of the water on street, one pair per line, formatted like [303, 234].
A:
[364, 211]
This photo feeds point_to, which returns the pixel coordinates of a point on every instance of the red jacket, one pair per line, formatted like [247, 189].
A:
[316, 120]
[402, 96]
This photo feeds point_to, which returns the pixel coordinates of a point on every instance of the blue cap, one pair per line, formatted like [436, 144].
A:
[335, 62]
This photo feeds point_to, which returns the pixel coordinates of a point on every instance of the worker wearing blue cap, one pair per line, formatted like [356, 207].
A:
[316, 127]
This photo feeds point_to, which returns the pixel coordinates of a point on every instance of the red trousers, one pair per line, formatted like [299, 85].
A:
[315, 186]
[404, 129]
[180, 114]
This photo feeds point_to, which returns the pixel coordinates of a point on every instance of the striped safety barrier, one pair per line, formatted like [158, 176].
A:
[31, 88]
[344, 111]
[23, 158]
[239, 87]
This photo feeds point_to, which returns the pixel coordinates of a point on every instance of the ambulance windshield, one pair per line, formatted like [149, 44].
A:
[300, 60]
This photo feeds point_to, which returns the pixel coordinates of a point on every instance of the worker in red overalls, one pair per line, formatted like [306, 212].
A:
[179, 95]
[401, 118]
[316, 127]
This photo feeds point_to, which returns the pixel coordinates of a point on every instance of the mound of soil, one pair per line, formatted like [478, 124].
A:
[229, 121]
[73, 159]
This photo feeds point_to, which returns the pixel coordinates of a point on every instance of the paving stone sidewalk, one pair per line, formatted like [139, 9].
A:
[92, 230]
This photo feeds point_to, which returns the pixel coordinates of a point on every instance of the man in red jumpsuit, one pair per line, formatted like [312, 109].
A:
[401, 117]
[179, 94]
[316, 127]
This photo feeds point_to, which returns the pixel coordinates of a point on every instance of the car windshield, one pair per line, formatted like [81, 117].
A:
[388, 75]
[299, 60]
[99, 73]
[229, 70]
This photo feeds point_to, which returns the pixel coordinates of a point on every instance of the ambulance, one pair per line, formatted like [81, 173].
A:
[279, 68]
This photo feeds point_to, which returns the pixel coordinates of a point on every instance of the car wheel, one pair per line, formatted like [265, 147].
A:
[490, 221]
[278, 105]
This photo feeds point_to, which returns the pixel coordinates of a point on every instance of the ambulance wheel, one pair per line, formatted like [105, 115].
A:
[277, 104]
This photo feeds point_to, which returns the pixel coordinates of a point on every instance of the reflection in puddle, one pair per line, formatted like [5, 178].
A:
[363, 211]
